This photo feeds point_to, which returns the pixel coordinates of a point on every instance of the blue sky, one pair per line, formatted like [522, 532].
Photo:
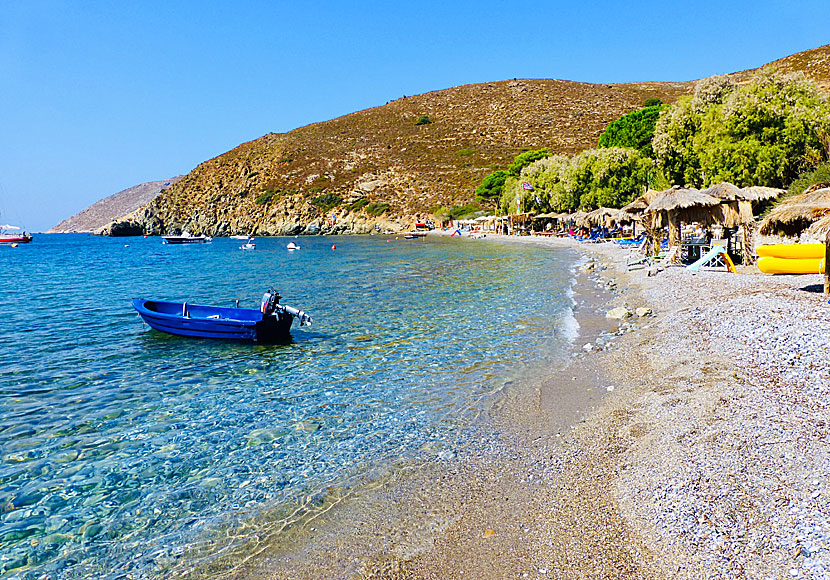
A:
[100, 96]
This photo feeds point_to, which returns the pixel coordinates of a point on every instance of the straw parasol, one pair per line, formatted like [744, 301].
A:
[736, 210]
[603, 216]
[639, 205]
[579, 218]
[797, 213]
[820, 229]
[686, 203]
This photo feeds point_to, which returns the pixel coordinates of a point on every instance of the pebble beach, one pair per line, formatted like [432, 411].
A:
[698, 448]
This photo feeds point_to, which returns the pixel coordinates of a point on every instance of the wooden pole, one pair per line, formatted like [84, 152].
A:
[826, 261]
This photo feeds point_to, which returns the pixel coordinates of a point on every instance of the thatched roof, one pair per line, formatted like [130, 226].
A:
[760, 193]
[724, 191]
[819, 229]
[578, 218]
[603, 215]
[550, 216]
[681, 198]
[797, 213]
[640, 204]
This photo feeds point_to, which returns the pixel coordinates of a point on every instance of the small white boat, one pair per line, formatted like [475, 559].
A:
[242, 237]
[292, 246]
[186, 238]
[248, 246]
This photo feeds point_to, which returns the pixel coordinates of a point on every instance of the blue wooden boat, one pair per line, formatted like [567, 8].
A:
[271, 323]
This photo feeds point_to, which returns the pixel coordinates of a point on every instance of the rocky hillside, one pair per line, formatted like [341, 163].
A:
[814, 64]
[391, 165]
[102, 213]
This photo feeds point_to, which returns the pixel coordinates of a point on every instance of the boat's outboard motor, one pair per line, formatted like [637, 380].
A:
[305, 319]
[270, 301]
[271, 305]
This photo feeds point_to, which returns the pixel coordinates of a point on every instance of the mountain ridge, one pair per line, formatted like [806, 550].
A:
[415, 154]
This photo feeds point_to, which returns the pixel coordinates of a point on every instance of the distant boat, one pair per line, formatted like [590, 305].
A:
[414, 235]
[248, 246]
[242, 237]
[7, 237]
[271, 323]
[292, 246]
[186, 238]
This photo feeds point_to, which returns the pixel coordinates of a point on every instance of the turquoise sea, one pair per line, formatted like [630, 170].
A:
[125, 452]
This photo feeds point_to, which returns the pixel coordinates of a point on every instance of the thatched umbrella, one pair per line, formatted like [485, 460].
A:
[603, 216]
[820, 229]
[639, 205]
[736, 210]
[579, 219]
[686, 203]
[797, 213]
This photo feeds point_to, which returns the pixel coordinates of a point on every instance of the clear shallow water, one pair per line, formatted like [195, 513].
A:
[121, 447]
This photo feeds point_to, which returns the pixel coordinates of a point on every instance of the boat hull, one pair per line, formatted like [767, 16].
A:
[199, 321]
[791, 250]
[773, 265]
[185, 239]
[15, 239]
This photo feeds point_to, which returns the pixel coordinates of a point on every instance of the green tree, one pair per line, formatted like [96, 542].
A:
[522, 160]
[491, 186]
[764, 133]
[634, 130]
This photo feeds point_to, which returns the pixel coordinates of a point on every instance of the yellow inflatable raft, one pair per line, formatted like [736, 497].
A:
[773, 265]
[791, 251]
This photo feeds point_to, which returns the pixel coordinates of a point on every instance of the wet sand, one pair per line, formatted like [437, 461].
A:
[673, 451]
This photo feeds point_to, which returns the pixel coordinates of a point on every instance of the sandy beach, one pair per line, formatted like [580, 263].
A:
[691, 442]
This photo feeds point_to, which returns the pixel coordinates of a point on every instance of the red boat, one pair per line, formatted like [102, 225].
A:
[13, 238]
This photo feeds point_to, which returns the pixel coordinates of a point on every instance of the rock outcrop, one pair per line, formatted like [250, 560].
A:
[103, 212]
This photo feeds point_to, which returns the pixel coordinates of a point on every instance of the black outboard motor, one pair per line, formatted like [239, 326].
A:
[271, 305]
[270, 301]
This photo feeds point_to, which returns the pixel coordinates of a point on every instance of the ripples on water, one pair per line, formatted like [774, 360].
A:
[122, 447]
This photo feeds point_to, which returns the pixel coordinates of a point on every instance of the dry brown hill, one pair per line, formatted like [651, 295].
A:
[814, 64]
[286, 183]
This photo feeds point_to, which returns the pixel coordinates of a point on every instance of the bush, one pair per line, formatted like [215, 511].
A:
[423, 120]
[465, 152]
[634, 130]
[764, 133]
[522, 160]
[461, 211]
[653, 103]
[357, 205]
[326, 201]
[265, 197]
[377, 208]
[820, 175]
[609, 177]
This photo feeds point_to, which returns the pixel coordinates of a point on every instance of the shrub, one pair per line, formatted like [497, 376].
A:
[326, 201]
[423, 120]
[764, 133]
[377, 208]
[465, 152]
[653, 103]
[265, 197]
[461, 211]
[820, 175]
[359, 204]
